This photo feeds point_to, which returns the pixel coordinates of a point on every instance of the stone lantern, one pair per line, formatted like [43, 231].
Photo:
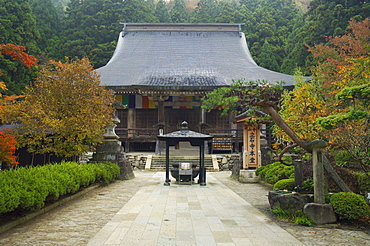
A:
[111, 149]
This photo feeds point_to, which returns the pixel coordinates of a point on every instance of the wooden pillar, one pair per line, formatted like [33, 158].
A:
[202, 115]
[131, 121]
[161, 120]
[161, 111]
[233, 131]
[258, 146]
[245, 147]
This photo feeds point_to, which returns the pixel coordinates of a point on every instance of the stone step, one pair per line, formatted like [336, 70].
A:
[158, 163]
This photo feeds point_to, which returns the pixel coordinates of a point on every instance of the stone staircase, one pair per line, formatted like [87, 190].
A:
[158, 163]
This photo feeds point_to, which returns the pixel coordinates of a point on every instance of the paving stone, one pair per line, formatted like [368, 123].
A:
[108, 214]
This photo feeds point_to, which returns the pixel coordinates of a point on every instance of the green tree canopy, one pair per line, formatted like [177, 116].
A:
[17, 26]
[161, 12]
[269, 21]
[178, 12]
[323, 19]
[91, 26]
[49, 26]
[267, 58]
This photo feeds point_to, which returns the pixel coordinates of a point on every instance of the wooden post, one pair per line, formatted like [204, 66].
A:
[161, 111]
[318, 176]
[131, 121]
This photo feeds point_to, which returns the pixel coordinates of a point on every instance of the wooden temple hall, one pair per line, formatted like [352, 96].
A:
[160, 72]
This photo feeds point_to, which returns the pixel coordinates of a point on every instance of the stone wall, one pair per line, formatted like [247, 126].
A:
[225, 161]
[137, 161]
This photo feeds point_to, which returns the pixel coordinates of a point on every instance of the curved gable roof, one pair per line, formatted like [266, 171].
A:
[183, 55]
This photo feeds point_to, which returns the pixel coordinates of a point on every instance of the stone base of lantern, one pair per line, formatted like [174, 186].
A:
[111, 151]
[248, 176]
[108, 151]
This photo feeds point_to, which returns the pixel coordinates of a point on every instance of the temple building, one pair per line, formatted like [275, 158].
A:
[160, 72]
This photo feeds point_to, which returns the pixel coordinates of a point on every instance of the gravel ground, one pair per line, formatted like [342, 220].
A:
[331, 234]
[75, 222]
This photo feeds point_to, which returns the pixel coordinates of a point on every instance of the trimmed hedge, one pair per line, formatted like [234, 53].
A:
[349, 205]
[284, 184]
[275, 172]
[28, 188]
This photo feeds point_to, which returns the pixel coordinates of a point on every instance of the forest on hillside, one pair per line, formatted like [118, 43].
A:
[278, 32]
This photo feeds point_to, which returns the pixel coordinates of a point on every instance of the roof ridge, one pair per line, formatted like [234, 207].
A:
[205, 27]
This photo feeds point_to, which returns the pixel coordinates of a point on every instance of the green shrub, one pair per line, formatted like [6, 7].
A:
[284, 184]
[342, 157]
[106, 172]
[261, 171]
[307, 185]
[287, 159]
[9, 195]
[28, 188]
[288, 172]
[364, 182]
[349, 205]
[275, 172]
[33, 188]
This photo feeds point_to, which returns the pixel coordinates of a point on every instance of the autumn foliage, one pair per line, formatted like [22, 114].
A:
[334, 105]
[7, 148]
[18, 54]
[65, 111]
[7, 141]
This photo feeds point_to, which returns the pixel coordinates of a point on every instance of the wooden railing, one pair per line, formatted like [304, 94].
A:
[137, 133]
[233, 136]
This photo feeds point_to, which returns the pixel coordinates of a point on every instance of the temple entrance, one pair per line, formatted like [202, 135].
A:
[174, 118]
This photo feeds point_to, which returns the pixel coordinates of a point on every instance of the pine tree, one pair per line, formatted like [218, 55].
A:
[267, 58]
[49, 27]
[161, 12]
[178, 12]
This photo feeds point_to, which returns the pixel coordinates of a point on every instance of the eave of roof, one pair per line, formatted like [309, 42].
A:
[183, 56]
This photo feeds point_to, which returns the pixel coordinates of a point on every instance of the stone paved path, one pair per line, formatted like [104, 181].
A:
[190, 215]
[79, 221]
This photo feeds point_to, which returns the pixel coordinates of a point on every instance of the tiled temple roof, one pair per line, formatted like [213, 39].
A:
[188, 55]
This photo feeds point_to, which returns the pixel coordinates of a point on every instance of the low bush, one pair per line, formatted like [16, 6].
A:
[364, 182]
[349, 205]
[275, 172]
[284, 184]
[28, 188]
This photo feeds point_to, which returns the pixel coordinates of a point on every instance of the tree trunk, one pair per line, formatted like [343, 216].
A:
[281, 123]
[304, 144]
